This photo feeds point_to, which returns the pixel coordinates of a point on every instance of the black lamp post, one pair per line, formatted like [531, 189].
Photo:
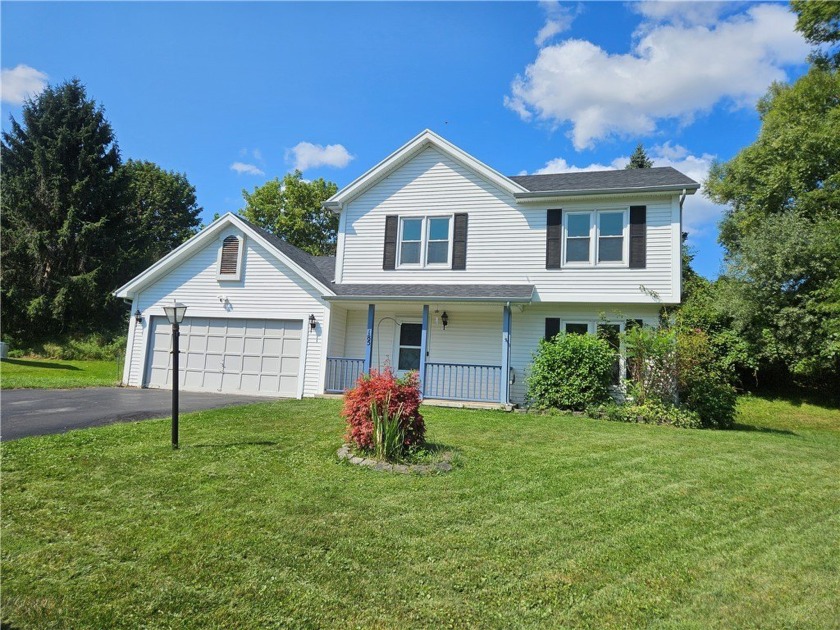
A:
[175, 315]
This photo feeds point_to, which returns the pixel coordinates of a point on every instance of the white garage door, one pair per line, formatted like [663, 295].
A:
[228, 355]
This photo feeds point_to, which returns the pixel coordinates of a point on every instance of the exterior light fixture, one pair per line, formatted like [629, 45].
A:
[175, 315]
[312, 322]
[138, 316]
[444, 319]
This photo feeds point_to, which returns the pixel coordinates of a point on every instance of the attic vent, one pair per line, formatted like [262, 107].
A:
[229, 261]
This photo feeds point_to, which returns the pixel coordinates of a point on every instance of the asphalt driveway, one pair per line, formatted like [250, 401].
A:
[27, 412]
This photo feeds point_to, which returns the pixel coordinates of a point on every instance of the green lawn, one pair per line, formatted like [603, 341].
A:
[547, 522]
[57, 374]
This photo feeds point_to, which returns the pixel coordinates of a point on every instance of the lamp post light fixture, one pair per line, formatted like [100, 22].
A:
[175, 315]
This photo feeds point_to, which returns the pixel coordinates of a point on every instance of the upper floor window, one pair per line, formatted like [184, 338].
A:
[425, 241]
[596, 237]
[230, 258]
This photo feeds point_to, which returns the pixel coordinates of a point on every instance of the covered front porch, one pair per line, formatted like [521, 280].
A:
[460, 350]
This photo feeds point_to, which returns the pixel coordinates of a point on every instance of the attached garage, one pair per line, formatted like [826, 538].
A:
[256, 316]
[259, 356]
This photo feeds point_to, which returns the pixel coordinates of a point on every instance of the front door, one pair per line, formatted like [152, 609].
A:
[408, 351]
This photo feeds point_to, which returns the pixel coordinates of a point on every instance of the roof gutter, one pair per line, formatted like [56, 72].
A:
[528, 196]
[427, 298]
[332, 206]
[682, 198]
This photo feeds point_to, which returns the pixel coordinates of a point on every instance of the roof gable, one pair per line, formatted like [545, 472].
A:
[298, 260]
[409, 150]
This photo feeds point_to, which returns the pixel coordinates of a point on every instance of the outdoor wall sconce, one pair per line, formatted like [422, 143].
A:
[444, 319]
[138, 316]
[312, 322]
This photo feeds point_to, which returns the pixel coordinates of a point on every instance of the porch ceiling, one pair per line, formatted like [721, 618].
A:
[519, 293]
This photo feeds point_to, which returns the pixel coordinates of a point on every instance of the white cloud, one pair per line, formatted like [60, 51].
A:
[699, 214]
[674, 71]
[247, 169]
[306, 155]
[689, 12]
[558, 18]
[20, 83]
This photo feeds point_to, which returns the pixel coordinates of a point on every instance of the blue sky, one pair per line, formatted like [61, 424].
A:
[235, 94]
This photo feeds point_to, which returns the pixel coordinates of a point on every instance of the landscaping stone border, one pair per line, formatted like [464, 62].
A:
[445, 465]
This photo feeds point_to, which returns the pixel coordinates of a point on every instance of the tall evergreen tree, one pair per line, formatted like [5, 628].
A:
[63, 216]
[639, 159]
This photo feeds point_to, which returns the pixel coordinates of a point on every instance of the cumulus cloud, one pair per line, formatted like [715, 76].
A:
[687, 12]
[558, 18]
[20, 83]
[674, 71]
[306, 155]
[700, 216]
[246, 169]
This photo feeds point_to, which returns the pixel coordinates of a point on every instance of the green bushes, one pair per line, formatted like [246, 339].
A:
[571, 372]
[94, 347]
[673, 377]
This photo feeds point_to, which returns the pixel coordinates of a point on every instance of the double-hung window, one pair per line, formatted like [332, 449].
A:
[595, 237]
[425, 241]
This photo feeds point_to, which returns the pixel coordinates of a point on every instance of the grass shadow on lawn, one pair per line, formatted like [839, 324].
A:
[233, 444]
[752, 427]
[41, 364]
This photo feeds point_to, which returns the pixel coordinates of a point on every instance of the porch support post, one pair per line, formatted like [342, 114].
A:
[424, 339]
[369, 339]
[504, 386]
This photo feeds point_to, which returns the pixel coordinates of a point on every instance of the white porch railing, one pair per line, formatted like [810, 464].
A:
[462, 381]
[342, 374]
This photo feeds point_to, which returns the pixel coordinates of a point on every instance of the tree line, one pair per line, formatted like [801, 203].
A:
[78, 222]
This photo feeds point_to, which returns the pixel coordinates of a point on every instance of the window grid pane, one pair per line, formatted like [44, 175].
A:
[410, 253]
[611, 223]
[577, 329]
[577, 250]
[610, 249]
[412, 228]
[438, 252]
[578, 224]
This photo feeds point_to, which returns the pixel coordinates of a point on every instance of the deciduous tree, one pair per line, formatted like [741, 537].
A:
[291, 209]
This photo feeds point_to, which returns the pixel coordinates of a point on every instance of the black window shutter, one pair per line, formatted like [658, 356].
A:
[459, 242]
[552, 327]
[638, 237]
[389, 258]
[553, 239]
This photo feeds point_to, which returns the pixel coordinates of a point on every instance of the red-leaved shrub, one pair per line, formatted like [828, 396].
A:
[375, 388]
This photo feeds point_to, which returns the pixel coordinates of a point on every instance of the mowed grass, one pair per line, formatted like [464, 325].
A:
[548, 521]
[57, 374]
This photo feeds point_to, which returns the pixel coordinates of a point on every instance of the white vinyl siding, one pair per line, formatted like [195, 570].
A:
[473, 335]
[267, 290]
[506, 241]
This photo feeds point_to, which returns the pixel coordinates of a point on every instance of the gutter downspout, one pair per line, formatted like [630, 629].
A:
[682, 200]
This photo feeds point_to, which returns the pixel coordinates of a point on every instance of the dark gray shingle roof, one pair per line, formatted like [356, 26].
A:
[591, 181]
[478, 292]
[316, 266]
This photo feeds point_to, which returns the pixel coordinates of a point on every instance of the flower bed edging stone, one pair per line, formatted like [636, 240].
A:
[443, 466]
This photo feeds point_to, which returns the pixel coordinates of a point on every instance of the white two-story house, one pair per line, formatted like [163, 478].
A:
[443, 266]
